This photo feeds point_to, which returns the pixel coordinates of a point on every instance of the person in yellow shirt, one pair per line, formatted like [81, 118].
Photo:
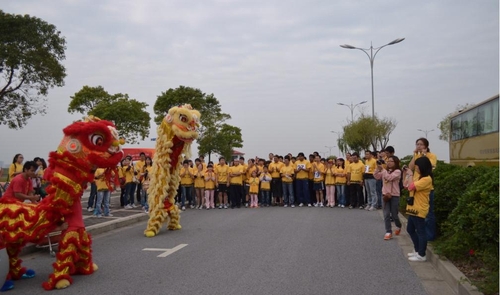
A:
[340, 182]
[318, 171]
[302, 167]
[276, 184]
[265, 186]
[244, 180]
[103, 193]
[144, 179]
[253, 182]
[129, 173]
[417, 208]
[370, 181]
[138, 165]
[330, 183]
[222, 172]
[210, 185]
[187, 180]
[312, 193]
[236, 184]
[251, 167]
[287, 173]
[355, 172]
[16, 167]
[199, 182]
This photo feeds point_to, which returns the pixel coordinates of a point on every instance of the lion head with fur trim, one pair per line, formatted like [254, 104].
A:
[184, 121]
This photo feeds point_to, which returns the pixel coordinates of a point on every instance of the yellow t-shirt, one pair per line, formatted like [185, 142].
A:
[222, 173]
[100, 182]
[139, 165]
[265, 184]
[370, 166]
[244, 176]
[318, 172]
[421, 193]
[275, 169]
[186, 179]
[249, 173]
[302, 174]
[290, 170]
[254, 185]
[199, 178]
[128, 174]
[433, 160]
[209, 183]
[340, 180]
[236, 179]
[330, 175]
[144, 169]
[356, 170]
[14, 168]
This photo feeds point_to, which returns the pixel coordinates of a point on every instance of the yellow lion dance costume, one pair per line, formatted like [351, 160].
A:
[175, 134]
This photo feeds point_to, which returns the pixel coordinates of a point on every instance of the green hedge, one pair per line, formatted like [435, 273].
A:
[466, 208]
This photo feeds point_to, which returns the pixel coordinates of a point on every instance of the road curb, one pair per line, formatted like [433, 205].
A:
[456, 279]
[96, 229]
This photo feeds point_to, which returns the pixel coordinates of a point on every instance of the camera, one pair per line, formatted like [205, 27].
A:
[380, 162]
[410, 200]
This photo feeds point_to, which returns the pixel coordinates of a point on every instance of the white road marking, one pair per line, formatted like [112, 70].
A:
[166, 252]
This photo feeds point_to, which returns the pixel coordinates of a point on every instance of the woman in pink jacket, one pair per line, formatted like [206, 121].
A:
[390, 192]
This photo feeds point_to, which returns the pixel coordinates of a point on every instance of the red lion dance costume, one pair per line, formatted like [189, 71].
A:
[86, 146]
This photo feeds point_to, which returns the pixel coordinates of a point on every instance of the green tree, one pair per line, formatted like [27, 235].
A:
[366, 131]
[213, 132]
[31, 51]
[445, 124]
[129, 115]
[221, 140]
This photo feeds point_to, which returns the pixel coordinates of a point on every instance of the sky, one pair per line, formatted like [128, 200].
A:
[275, 66]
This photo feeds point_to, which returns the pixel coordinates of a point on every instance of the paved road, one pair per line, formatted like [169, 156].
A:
[246, 251]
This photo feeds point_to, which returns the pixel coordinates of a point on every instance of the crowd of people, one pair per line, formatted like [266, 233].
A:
[369, 182]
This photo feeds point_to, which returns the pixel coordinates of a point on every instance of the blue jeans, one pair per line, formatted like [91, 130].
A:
[144, 199]
[129, 193]
[371, 192]
[186, 192]
[266, 197]
[416, 230]
[430, 219]
[93, 195]
[288, 193]
[303, 191]
[340, 194]
[102, 200]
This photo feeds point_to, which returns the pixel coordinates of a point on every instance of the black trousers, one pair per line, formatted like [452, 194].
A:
[236, 193]
[277, 189]
[356, 191]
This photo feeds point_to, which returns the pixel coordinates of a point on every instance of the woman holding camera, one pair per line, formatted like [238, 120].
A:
[417, 208]
[390, 193]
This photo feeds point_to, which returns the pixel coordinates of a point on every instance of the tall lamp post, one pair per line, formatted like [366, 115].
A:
[351, 107]
[371, 57]
[330, 148]
[426, 131]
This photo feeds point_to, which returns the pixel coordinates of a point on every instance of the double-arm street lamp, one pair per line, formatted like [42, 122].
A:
[426, 131]
[371, 57]
[330, 148]
[351, 107]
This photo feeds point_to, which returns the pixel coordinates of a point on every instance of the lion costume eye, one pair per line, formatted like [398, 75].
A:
[97, 139]
[183, 118]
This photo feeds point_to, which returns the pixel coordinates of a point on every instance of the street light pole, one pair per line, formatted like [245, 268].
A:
[371, 57]
[426, 131]
[338, 138]
[352, 107]
[330, 148]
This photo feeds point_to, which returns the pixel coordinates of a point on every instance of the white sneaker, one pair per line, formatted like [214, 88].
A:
[300, 205]
[220, 206]
[90, 209]
[417, 258]
[321, 205]
[192, 207]
[225, 206]
[183, 208]
[134, 206]
[309, 205]
[293, 206]
[411, 254]
[201, 207]
[128, 207]
[284, 206]
[372, 208]
[315, 204]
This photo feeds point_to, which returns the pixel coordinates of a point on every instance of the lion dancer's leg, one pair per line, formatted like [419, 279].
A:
[16, 271]
[74, 256]
[174, 214]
